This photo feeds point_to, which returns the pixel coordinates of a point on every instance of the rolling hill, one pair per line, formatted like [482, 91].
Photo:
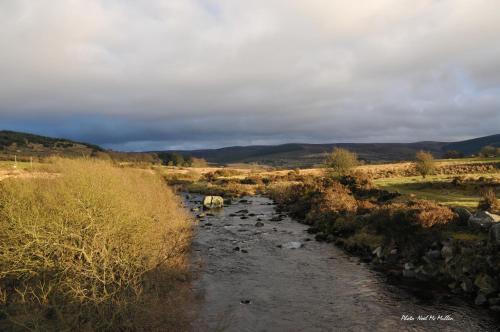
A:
[299, 154]
[30, 145]
[473, 146]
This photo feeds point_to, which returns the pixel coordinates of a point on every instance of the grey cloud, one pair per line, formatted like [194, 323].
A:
[196, 73]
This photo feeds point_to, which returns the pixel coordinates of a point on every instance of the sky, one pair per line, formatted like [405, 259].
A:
[186, 74]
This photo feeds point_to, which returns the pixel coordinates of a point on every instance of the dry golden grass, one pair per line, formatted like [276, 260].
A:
[96, 248]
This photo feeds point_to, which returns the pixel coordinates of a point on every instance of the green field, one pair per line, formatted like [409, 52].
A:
[439, 188]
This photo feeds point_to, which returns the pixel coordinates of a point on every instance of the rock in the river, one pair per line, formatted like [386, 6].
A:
[483, 219]
[292, 245]
[213, 202]
[330, 238]
[259, 224]
[495, 234]
[320, 237]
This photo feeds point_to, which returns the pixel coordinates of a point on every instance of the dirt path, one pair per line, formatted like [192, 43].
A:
[251, 278]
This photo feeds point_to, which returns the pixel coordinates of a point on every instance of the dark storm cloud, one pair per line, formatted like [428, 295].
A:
[205, 73]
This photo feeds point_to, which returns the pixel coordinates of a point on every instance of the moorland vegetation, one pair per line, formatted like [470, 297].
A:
[91, 247]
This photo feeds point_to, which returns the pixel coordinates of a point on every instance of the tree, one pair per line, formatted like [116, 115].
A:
[424, 163]
[489, 151]
[340, 162]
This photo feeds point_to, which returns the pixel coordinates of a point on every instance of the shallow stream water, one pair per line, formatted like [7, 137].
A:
[275, 277]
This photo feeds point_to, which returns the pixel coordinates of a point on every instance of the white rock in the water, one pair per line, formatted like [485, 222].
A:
[292, 245]
[213, 202]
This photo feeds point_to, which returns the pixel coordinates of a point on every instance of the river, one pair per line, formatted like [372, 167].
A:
[275, 277]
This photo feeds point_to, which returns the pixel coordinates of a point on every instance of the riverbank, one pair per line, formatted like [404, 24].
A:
[414, 239]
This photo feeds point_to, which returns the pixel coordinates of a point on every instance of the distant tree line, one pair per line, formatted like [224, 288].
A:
[164, 158]
[177, 159]
[453, 154]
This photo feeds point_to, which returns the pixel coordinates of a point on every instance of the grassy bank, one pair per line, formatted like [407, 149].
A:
[96, 248]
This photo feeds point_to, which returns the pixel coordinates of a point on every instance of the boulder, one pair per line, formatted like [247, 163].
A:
[409, 274]
[494, 301]
[213, 202]
[467, 285]
[486, 284]
[463, 214]
[480, 299]
[409, 266]
[378, 252]
[483, 219]
[447, 252]
[434, 254]
[495, 234]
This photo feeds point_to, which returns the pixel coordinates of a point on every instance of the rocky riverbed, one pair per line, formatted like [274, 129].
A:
[257, 270]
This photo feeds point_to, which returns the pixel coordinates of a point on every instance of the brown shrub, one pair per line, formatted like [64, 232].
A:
[227, 172]
[365, 206]
[488, 200]
[331, 202]
[96, 248]
[358, 181]
[253, 179]
[428, 213]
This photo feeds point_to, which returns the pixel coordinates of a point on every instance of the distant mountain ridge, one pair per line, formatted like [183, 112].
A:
[473, 146]
[303, 154]
[288, 155]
